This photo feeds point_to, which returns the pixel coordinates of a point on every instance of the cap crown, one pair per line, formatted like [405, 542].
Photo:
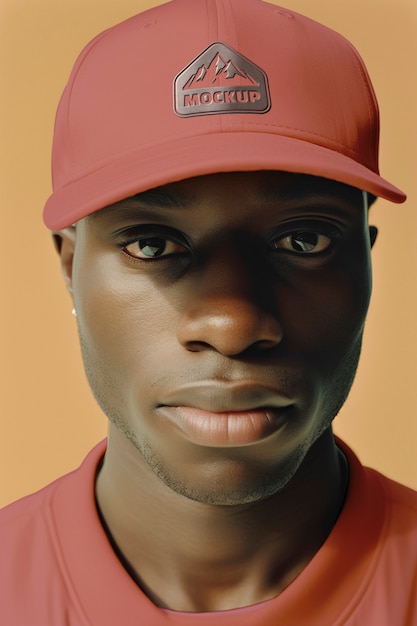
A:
[198, 86]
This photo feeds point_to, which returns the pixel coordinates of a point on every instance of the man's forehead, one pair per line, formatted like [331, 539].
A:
[271, 188]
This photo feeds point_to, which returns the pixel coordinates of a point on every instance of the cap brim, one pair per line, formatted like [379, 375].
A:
[158, 165]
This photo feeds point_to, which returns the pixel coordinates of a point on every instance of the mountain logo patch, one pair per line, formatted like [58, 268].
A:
[220, 80]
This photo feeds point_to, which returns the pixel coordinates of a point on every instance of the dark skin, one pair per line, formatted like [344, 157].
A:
[221, 321]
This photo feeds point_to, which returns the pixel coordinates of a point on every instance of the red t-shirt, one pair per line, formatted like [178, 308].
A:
[57, 567]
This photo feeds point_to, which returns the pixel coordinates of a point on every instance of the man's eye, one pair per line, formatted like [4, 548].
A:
[303, 242]
[153, 248]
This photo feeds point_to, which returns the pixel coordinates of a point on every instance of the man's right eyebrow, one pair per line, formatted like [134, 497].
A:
[158, 197]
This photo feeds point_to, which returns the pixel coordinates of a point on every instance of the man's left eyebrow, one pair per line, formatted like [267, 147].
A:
[311, 190]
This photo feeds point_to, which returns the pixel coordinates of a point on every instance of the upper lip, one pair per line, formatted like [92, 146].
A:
[219, 396]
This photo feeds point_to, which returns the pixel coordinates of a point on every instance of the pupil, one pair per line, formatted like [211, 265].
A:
[304, 242]
[153, 246]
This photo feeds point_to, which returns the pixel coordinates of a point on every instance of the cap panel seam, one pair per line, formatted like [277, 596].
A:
[236, 42]
[82, 60]
[212, 35]
[224, 18]
[373, 108]
[301, 131]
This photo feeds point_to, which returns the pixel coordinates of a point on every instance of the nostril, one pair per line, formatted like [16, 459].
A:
[265, 344]
[229, 330]
[197, 346]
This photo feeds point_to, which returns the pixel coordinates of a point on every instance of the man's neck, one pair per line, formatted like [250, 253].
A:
[189, 556]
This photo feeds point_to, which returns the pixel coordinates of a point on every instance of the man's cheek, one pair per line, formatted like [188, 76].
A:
[326, 317]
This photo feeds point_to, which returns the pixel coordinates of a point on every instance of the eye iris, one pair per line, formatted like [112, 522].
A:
[152, 246]
[304, 242]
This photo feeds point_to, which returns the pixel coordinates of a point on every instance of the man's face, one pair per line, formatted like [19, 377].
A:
[221, 320]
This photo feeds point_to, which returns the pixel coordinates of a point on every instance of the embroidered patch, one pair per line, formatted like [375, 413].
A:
[220, 80]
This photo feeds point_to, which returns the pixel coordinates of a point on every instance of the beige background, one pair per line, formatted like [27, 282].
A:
[48, 420]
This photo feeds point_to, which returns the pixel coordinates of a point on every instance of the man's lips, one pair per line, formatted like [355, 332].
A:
[225, 429]
[219, 396]
[219, 413]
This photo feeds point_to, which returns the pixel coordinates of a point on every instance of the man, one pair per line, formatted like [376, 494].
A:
[214, 162]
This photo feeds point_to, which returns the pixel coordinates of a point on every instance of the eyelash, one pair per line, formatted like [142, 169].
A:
[318, 229]
[148, 232]
[137, 235]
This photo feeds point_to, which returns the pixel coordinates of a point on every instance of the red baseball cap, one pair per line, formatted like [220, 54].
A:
[195, 87]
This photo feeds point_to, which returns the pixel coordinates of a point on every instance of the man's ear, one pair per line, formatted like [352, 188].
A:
[373, 233]
[64, 242]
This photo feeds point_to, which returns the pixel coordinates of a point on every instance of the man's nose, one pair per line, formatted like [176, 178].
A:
[231, 308]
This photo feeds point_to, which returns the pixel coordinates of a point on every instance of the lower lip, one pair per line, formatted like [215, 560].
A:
[226, 429]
